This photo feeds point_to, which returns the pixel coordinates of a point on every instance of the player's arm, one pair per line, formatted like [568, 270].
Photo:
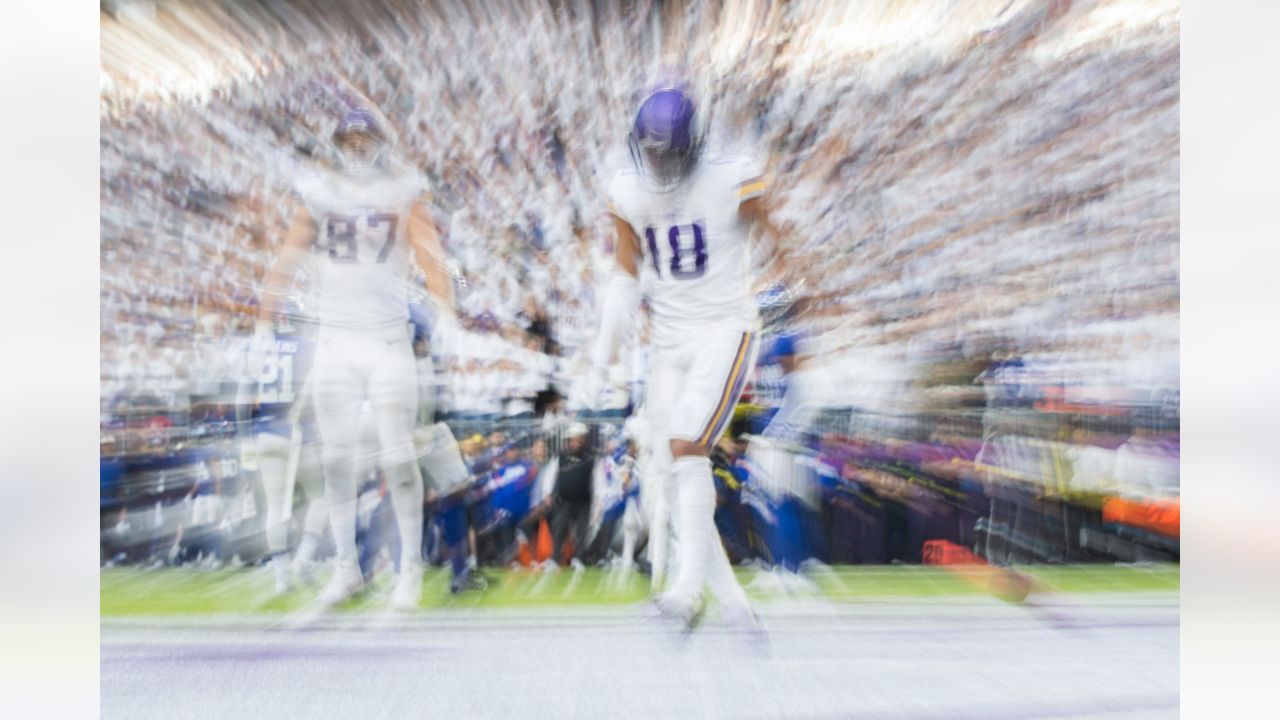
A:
[302, 232]
[297, 240]
[623, 294]
[626, 251]
[621, 298]
[777, 265]
[756, 213]
[429, 254]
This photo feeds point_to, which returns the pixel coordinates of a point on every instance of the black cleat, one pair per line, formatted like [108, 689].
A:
[471, 581]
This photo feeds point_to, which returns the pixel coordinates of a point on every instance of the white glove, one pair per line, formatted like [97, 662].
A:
[586, 391]
[445, 333]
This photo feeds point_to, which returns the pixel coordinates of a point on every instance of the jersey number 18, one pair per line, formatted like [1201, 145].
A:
[680, 266]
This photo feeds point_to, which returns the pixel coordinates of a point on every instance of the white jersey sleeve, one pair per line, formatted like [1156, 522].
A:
[749, 177]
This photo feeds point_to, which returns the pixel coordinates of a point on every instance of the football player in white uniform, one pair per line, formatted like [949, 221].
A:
[683, 226]
[285, 446]
[369, 223]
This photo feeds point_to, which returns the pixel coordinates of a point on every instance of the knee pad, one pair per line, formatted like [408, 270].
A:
[271, 445]
[398, 455]
[337, 451]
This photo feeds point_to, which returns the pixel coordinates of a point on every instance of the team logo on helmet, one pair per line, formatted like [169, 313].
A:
[666, 138]
[359, 140]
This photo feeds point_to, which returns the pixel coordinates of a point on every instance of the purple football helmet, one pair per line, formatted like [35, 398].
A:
[354, 151]
[358, 120]
[666, 138]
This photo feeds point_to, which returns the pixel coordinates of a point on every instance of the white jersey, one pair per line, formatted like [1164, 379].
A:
[364, 264]
[696, 247]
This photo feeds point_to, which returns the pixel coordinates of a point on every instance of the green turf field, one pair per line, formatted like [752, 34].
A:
[182, 591]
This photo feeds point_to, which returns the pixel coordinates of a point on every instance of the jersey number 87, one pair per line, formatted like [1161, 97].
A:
[342, 236]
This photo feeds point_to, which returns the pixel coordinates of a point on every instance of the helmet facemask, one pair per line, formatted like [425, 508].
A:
[666, 139]
[359, 141]
[358, 149]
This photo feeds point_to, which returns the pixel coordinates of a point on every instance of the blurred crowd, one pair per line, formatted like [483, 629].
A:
[1019, 184]
[981, 203]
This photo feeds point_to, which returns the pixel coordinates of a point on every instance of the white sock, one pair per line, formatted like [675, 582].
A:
[660, 524]
[659, 543]
[405, 485]
[317, 516]
[628, 539]
[696, 495]
[723, 583]
[307, 548]
[280, 567]
[277, 533]
[340, 491]
[272, 462]
[311, 478]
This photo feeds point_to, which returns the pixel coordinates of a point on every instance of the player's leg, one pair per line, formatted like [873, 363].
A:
[581, 521]
[559, 526]
[311, 478]
[635, 517]
[768, 463]
[660, 540]
[717, 372]
[662, 390]
[339, 396]
[632, 525]
[452, 516]
[440, 458]
[273, 462]
[441, 462]
[393, 393]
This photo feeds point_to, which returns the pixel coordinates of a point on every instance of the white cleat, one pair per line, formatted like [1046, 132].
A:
[798, 585]
[407, 594]
[305, 572]
[282, 586]
[280, 572]
[768, 582]
[686, 615]
[344, 584]
[743, 621]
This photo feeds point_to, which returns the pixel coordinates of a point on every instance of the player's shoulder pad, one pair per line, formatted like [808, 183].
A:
[309, 182]
[721, 159]
[408, 180]
[622, 192]
[746, 171]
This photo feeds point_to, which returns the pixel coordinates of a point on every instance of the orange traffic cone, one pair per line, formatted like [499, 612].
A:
[545, 546]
